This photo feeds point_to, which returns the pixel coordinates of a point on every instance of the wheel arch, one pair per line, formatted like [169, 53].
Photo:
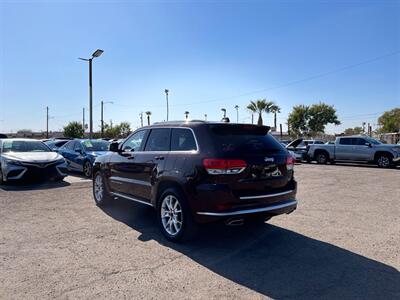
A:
[382, 152]
[162, 186]
[318, 151]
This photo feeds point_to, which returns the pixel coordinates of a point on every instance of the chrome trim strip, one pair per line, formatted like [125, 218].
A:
[131, 198]
[249, 211]
[129, 180]
[266, 196]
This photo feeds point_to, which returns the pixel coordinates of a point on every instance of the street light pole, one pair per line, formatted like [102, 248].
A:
[47, 122]
[166, 95]
[96, 53]
[237, 113]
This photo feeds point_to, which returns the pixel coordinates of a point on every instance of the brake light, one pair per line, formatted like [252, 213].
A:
[216, 166]
[289, 162]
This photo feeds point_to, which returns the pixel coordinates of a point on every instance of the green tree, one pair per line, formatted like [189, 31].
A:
[353, 131]
[390, 121]
[310, 120]
[320, 115]
[259, 106]
[298, 120]
[73, 130]
[121, 130]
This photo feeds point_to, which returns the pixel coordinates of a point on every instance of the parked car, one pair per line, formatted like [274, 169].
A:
[3, 136]
[357, 148]
[29, 159]
[80, 154]
[198, 172]
[298, 148]
[55, 144]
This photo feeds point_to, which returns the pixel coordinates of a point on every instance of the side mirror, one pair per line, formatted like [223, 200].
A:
[78, 151]
[114, 147]
[368, 144]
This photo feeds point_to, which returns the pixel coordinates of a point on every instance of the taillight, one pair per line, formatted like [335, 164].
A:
[216, 166]
[289, 162]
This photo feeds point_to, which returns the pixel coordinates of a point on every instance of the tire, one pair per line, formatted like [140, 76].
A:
[384, 161]
[100, 193]
[175, 217]
[1, 177]
[321, 158]
[87, 169]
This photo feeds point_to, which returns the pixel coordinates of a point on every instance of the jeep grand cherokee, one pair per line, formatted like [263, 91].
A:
[197, 172]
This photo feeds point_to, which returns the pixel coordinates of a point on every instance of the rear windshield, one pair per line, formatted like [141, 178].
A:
[244, 139]
[24, 146]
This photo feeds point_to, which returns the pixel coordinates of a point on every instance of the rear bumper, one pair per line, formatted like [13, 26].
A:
[286, 206]
[216, 201]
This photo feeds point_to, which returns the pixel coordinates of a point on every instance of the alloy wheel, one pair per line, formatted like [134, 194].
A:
[383, 161]
[98, 188]
[321, 158]
[87, 170]
[171, 215]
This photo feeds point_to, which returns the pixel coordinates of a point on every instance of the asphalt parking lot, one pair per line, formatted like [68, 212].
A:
[341, 243]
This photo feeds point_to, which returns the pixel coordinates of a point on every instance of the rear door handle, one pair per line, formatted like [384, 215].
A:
[131, 157]
[159, 157]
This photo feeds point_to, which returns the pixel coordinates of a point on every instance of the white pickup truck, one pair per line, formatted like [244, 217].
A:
[357, 148]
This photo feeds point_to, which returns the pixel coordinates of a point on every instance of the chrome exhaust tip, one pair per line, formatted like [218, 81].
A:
[234, 222]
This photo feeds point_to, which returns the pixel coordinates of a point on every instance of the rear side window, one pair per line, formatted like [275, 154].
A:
[182, 140]
[158, 140]
[345, 141]
[244, 139]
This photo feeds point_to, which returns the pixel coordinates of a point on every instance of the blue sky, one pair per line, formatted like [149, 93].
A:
[210, 54]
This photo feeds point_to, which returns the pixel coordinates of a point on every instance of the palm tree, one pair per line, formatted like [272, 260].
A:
[275, 109]
[224, 112]
[259, 106]
[148, 113]
[186, 115]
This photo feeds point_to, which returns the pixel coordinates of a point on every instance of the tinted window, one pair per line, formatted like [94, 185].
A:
[244, 139]
[25, 146]
[345, 141]
[182, 140]
[135, 142]
[359, 142]
[318, 142]
[158, 140]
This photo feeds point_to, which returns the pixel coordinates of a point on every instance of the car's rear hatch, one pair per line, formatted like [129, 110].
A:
[266, 168]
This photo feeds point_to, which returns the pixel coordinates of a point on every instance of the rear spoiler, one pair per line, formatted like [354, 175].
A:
[229, 128]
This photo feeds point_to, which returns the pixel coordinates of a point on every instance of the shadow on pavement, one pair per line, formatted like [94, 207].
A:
[28, 186]
[273, 261]
[354, 164]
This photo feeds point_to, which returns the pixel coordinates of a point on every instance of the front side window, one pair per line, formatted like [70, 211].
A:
[135, 142]
[158, 140]
[25, 146]
[182, 140]
[359, 142]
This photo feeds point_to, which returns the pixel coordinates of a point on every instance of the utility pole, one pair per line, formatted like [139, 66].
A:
[47, 122]
[102, 120]
[280, 129]
[111, 124]
[166, 95]
[224, 112]
[252, 118]
[141, 119]
[83, 120]
[237, 113]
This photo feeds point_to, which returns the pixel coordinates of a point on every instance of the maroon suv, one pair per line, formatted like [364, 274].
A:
[197, 172]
